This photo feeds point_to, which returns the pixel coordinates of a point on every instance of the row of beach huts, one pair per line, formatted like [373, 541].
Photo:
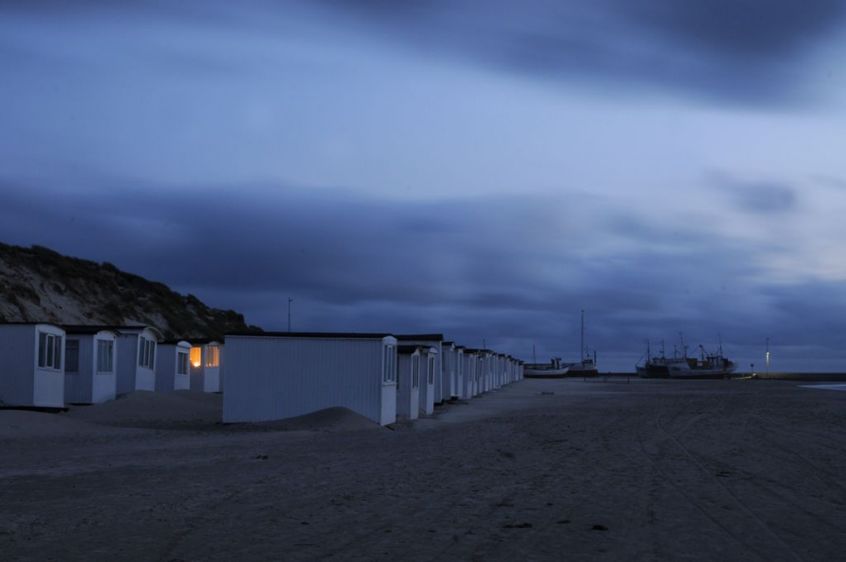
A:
[268, 375]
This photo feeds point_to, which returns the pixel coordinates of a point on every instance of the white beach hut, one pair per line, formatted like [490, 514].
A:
[515, 369]
[32, 365]
[499, 370]
[459, 372]
[486, 374]
[277, 375]
[172, 366]
[441, 386]
[430, 361]
[90, 364]
[136, 358]
[493, 373]
[450, 368]
[411, 364]
[206, 365]
[468, 361]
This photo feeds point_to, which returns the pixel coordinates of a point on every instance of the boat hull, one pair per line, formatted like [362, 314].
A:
[653, 372]
[582, 372]
[705, 374]
[545, 373]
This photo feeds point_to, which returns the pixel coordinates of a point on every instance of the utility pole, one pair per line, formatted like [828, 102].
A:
[290, 302]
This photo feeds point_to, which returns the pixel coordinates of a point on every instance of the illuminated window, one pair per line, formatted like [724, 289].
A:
[212, 356]
[196, 356]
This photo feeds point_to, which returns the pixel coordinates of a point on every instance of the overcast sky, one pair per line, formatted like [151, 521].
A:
[482, 169]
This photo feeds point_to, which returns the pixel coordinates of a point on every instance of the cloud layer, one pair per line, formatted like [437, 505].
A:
[747, 51]
[511, 271]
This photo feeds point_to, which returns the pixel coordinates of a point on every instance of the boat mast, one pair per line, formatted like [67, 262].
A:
[582, 343]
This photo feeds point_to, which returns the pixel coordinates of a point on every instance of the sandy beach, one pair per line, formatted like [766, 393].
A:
[564, 469]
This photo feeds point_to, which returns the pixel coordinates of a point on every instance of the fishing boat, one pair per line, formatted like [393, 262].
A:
[586, 366]
[552, 370]
[706, 366]
[659, 367]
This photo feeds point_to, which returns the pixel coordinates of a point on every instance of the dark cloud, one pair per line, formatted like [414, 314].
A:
[740, 51]
[757, 29]
[747, 51]
[511, 270]
[758, 197]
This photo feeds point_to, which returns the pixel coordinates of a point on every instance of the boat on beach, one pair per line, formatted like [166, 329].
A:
[586, 366]
[552, 370]
[706, 366]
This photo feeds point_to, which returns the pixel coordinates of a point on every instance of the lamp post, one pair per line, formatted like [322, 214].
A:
[290, 301]
[767, 357]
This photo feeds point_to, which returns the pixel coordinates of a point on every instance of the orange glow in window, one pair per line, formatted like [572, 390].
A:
[196, 356]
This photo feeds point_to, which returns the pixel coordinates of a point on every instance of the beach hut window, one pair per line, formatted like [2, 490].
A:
[147, 353]
[415, 371]
[72, 356]
[49, 351]
[105, 356]
[196, 356]
[181, 363]
[212, 356]
[431, 368]
[389, 364]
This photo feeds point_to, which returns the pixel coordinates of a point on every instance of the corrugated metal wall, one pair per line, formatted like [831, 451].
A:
[270, 378]
[166, 368]
[17, 364]
[127, 362]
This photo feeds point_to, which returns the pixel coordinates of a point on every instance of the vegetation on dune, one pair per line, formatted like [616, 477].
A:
[38, 284]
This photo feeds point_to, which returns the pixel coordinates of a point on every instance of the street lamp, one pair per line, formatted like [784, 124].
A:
[767, 356]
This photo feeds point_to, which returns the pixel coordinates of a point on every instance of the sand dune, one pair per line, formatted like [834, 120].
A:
[156, 410]
[201, 411]
[18, 424]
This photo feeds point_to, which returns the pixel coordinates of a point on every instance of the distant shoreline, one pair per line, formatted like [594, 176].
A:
[783, 376]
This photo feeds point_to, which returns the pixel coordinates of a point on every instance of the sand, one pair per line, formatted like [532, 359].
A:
[565, 469]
